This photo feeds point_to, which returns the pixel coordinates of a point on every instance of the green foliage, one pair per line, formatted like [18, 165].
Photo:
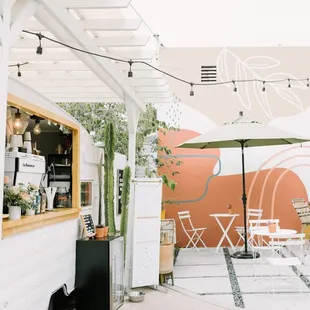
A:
[109, 149]
[94, 117]
[105, 191]
[125, 200]
[100, 189]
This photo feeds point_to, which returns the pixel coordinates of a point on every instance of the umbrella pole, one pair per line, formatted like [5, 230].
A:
[244, 254]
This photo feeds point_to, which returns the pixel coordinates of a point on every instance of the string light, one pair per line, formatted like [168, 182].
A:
[18, 65]
[130, 72]
[235, 87]
[131, 62]
[39, 48]
[191, 93]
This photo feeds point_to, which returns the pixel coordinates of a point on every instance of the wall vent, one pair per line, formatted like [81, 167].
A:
[208, 74]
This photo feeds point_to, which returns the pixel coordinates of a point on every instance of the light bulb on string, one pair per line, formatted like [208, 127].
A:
[191, 93]
[19, 74]
[39, 48]
[130, 72]
[235, 87]
[264, 88]
[307, 82]
[289, 83]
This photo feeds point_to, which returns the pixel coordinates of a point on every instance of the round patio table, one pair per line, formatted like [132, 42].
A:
[225, 231]
[281, 233]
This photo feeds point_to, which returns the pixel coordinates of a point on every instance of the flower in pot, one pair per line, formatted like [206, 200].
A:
[230, 210]
[16, 199]
[272, 227]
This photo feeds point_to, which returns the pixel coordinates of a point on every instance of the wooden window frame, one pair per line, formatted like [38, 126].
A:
[12, 227]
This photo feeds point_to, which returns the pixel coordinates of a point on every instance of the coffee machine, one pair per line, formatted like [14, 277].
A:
[24, 168]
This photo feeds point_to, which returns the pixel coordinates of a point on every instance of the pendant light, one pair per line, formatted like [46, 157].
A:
[17, 122]
[37, 128]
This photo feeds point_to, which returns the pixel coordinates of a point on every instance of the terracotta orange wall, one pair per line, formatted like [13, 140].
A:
[224, 190]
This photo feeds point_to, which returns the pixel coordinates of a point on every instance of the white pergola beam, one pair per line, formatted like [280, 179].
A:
[58, 20]
[133, 53]
[73, 90]
[85, 99]
[29, 76]
[109, 41]
[158, 100]
[93, 4]
[22, 11]
[64, 83]
[109, 24]
[81, 94]
[55, 54]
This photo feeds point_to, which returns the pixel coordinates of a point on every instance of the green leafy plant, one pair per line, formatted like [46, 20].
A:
[109, 149]
[20, 195]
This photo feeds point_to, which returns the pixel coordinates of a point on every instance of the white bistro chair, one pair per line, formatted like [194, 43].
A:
[194, 234]
[251, 214]
[280, 260]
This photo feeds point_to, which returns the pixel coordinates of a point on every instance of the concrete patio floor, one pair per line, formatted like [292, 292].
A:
[231, 284]
[172, 300]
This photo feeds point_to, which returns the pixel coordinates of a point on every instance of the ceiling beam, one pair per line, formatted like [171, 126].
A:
[167, 94]
[145, 89]
[85, 99]
[74, 90]
[64, 26]
[22, 11]
[108, 41]
[108, 24]
[147, 82]
[64, 83]
[85, 94]
[93, 4]
[144, 74]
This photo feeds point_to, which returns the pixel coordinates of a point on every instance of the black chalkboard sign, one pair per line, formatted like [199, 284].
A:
[120, 182]
[88, 225]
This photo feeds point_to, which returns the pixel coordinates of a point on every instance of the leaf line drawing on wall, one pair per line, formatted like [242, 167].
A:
[231, 67]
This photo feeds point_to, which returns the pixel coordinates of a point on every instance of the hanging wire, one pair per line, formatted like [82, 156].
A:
[131, 62]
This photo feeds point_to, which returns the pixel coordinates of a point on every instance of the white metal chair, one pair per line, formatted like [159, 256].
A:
[251, 214]
[261, 244]
[194, 234]
[281, 260]
[303, 211]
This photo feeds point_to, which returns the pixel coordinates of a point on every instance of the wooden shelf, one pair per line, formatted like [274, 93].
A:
[26, 223]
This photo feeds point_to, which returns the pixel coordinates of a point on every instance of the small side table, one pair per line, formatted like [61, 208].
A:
[225, 231]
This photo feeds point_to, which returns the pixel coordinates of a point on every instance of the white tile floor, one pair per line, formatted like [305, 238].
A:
[205, 277]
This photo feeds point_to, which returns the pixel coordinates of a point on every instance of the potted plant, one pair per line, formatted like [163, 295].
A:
[16, 199]
[101, 230]
[33, 191]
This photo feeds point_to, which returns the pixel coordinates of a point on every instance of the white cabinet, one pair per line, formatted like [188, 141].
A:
[146, 232]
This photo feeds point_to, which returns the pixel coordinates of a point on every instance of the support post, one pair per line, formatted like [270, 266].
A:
[4, 62]
[133, 114]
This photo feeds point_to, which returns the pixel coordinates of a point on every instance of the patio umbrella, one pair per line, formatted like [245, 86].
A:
[242, 133]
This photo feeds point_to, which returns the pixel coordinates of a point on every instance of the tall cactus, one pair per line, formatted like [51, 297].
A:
[100, 189]
[105, 191]
[125, 200]
[109, 148]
